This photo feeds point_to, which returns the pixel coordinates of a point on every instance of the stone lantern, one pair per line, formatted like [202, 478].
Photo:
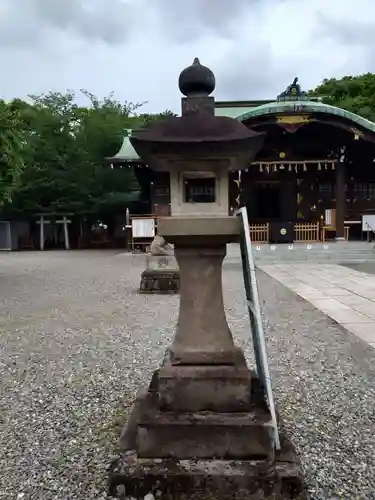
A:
[201, 427]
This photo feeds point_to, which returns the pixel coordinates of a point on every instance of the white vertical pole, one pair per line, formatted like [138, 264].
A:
[42, 232]
[66, 233]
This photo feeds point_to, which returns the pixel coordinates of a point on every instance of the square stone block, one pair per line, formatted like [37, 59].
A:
[160, 281]
[207, 479]
[163, 434]
[223, 388]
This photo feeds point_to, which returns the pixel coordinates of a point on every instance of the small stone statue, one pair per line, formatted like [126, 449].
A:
[160, 247]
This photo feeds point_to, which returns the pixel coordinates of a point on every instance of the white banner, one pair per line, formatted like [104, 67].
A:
[143, 228]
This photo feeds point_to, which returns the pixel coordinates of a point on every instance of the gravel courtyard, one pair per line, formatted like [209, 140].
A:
[77, 341]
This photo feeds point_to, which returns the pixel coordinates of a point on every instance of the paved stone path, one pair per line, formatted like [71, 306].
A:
[345, 295]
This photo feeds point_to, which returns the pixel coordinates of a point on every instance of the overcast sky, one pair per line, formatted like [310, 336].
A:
[138, 47]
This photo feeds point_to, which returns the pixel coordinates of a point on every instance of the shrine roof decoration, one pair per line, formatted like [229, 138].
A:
[292, 101]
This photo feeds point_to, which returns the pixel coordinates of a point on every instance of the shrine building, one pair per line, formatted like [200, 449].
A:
[313, 179]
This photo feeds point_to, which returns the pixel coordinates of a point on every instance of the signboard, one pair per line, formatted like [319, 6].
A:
[368, 222]
[143, 228]
[257, 331]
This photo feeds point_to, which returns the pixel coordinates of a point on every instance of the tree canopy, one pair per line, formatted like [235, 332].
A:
[56, 150]
[353, 93]
[13, 150]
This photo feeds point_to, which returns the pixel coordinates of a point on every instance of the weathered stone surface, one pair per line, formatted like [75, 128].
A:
[222, 388]
[161, 263]
[160, 281]
[203, 336]
[205, 435]
[199, 231]
[160, 247]
[207, 479]
[162, 434]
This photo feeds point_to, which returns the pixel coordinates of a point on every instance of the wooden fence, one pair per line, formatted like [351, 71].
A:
[260, 233]
[307, 231]
[304, 232]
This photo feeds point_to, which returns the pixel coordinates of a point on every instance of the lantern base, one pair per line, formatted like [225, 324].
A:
[204, 479]
[160, 281]
[274, 477]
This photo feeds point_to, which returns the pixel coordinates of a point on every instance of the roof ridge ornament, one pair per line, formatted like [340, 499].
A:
[293, 92]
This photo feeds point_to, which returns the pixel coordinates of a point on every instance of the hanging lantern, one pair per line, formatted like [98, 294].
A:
[282, 167]
[333, 166]
[260, 168]
[296, 167]
[275, 168]
[304, 167]
[267, 168]
[319, 166]
[290, 168]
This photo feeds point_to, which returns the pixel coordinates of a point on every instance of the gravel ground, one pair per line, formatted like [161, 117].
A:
[77, 341]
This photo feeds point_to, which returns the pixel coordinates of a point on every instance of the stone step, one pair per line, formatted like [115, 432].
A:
[238, 435]
[315, 252]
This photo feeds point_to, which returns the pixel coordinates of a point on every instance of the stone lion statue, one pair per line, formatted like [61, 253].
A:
[160, 247]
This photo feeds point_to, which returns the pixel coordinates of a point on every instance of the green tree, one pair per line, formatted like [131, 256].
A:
[66, 170]
[13, 150]
[147, 118]
[353, 93]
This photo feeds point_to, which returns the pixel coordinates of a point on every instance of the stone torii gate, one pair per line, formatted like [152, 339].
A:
[45, 219]
[202, 429]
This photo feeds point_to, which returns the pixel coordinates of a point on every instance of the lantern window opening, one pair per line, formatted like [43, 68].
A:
[199, 189]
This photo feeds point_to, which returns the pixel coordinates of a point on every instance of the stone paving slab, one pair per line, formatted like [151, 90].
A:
[343, 294]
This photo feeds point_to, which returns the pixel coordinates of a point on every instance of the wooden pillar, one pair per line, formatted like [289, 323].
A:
[340, 200]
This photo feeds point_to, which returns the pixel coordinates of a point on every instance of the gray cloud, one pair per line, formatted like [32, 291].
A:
[25, 22]
[138, 47]
[349, 33]
[186, 20]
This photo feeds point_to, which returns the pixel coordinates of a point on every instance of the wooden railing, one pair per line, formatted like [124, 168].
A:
[260, 233]
[307, 231]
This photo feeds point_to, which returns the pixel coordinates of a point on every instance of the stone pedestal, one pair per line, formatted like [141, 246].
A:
[233, 458]
[161, 275]
[203, 427]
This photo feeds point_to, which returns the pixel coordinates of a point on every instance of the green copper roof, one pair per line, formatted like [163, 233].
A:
[299, 106]
[126, 152]
[234, 112]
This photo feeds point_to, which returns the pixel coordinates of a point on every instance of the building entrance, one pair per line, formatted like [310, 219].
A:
[268, 200]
